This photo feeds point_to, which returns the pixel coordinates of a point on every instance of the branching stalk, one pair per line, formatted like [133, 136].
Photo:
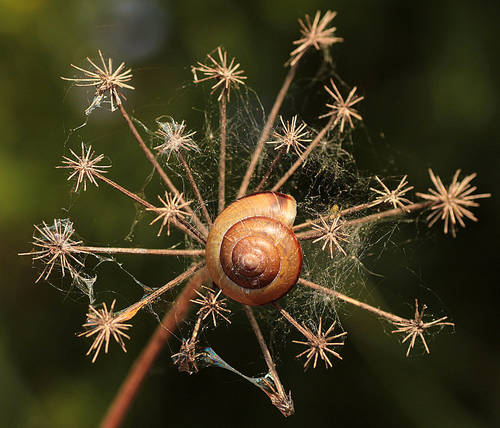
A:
[270, 170]
[222, 158]
[379, 312]
[148, 251]
[267, 129]
[265, 350]
[159, 169]
[313, 234]
[195, 188]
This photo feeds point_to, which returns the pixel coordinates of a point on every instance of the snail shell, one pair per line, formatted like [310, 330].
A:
[252, 253]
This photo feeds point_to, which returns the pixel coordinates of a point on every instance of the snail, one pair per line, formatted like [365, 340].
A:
[252, 254]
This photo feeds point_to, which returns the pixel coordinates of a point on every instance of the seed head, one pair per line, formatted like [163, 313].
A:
[340, 109]
[315, 34]
[394, 197]
[291, 136]
[186, 358]
[225, 75]
[210, 305]
[104, 324]
[171, 212]
[416, 327]
[55, 247]
[105, 80]
[175, 137]
[451, 204]
[319, 345]
[332, 234]
[84, 167]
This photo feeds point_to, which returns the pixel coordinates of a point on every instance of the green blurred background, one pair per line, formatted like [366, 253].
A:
[429, 72]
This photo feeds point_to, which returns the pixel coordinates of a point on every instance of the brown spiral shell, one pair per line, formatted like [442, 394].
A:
[252, 253]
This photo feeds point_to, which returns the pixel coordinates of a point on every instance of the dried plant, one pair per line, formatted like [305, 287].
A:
[336, 228]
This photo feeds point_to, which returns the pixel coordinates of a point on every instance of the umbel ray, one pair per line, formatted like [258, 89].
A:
[249, 251]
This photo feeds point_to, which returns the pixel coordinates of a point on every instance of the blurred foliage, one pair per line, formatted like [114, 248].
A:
[429, 73]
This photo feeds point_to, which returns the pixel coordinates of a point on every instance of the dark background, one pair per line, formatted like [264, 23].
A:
[429, 72]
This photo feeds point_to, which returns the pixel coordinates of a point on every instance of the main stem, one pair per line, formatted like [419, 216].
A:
[135, 378]
[267, 129]
[222, 157]
[159, 169]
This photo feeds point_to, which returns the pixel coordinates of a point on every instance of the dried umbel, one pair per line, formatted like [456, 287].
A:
[246, 253]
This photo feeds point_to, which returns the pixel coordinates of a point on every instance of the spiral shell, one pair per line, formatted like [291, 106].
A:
[252, 253]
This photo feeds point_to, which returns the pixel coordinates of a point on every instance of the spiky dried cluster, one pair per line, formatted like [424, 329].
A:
[55, 246]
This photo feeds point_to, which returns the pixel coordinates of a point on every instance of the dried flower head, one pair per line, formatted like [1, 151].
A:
[416, 327]
[319, 345]
[175, 137]
[332, 234]
[56, 247]
[225, 75]
[315, 33]
[291, 136]
[185, 359]
[451, 204]
[105, 80]
[171, 212]
[84, 167]
[340, 109]
[210, 305]
[104, 324]
[394, 197]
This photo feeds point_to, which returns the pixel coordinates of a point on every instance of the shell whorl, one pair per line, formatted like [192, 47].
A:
[252, 253]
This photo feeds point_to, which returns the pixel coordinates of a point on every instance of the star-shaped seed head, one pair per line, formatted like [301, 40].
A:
[107, 82]
[342, 110]
[394, 197]
[171, 212]
[104, 324]
[332, 234]
[185, 359]
[175, 137]
[210, 305]
[84, 167]
[225, 76]
[315, 33]
[416, 327]
[54, 246]
[319, 345]
[291, 136]
[452, 203]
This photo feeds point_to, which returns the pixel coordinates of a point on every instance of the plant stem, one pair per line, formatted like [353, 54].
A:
[267, 129]
[149, 251]
[304, 155]
[132, 383]
[270, 170]
[222, 158]
[159, 169]
[265, 350]
[291, 319]
[313, 234]
[132, 310]
[345, 212]
[124, 191]
[195, 188]
[379, 312]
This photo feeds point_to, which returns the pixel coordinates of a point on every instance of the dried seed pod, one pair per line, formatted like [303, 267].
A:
[252, 253]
